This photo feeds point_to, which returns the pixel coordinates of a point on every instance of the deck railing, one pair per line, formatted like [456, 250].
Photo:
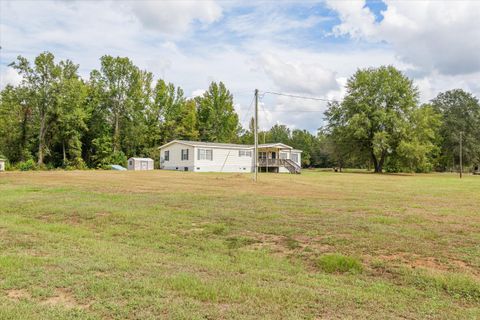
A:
[287, 163]
[269, 162]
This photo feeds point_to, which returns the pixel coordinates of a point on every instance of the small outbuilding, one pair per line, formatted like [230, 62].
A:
[140, 164]
[2, 164]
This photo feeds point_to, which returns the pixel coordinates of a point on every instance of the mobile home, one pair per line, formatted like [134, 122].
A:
[225, 157]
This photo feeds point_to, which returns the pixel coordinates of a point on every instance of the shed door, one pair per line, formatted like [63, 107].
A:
[143, 165]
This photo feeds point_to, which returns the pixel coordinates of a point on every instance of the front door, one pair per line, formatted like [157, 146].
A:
[274, 155]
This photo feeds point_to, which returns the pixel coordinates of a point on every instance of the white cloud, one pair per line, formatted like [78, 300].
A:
[356, 19]
[197, 93]
[431, 35]
[8, 75]
[298, 77]
[175, 17]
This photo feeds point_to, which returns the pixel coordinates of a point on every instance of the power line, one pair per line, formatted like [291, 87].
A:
[295, 111]
[297, 96]
[249, 109]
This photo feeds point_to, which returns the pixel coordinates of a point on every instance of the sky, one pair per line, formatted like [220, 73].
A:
[307, 48]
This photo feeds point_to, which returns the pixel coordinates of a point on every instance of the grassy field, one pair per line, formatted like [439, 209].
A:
[174, 245]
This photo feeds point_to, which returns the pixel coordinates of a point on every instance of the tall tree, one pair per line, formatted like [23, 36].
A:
[71, 113]
[305, 141]
[166, 112]
[375, 112]
[217, 119]
[119, 83]
[41, 80]
[460, 112]
[418, 151]
[279, 133]
[187, 121]
[16, 123]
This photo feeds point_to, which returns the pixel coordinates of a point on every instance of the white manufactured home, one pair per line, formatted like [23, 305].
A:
[140, 164]
[225, 157]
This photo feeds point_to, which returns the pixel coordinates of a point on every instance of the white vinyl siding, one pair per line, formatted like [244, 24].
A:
[222, 160]
[140, 164]
[175, 161]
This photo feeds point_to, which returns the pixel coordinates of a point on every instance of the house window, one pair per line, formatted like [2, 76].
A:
[205, 154]
[130, 163]
[262, 155]
[245, 153]
[184, 154]
[167, 155]
[295, 157]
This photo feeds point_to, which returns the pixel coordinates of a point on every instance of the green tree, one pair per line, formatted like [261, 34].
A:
[418, 151]
[70, 114]
[460, 112]
[119, 91]
[305, 141]
[217, 119]
[16, 123]
[375, 112]
[279, 133]
[187, 123]
[40, 80]
[167, 112]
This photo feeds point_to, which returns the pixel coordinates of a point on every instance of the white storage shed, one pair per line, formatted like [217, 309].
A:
[2, 164]
[140, 164]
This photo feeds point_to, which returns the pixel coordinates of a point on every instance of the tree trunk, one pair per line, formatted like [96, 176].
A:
[380, 165]
[379, 168]
[116, 134]
[41, 141]
[375, 162]
[64, 153]
[23, 141]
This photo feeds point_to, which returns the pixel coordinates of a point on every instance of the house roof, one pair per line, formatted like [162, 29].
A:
[141, 159]
[225, 145]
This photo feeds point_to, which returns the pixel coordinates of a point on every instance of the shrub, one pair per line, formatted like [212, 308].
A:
[76, 164]
[27, 165]
[332, 263]
[118, 158]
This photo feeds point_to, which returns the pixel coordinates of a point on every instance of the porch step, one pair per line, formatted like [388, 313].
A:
[291, 166]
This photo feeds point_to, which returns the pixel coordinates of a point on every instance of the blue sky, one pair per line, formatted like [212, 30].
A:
[300, 47]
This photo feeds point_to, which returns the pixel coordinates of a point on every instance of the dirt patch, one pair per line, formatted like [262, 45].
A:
[300, 246]
[397, 257]
[428, 263]
[65, 299]
[17, 294]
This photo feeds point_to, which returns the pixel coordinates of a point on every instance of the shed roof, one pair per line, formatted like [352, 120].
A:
[141, 159]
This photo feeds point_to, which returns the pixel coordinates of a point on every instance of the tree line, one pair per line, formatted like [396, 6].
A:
[54, 118]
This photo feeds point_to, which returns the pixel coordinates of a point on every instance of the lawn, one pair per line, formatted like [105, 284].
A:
[181, 245]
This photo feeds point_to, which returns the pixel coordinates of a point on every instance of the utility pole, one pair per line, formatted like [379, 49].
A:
[461, 154]
[255, 134]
